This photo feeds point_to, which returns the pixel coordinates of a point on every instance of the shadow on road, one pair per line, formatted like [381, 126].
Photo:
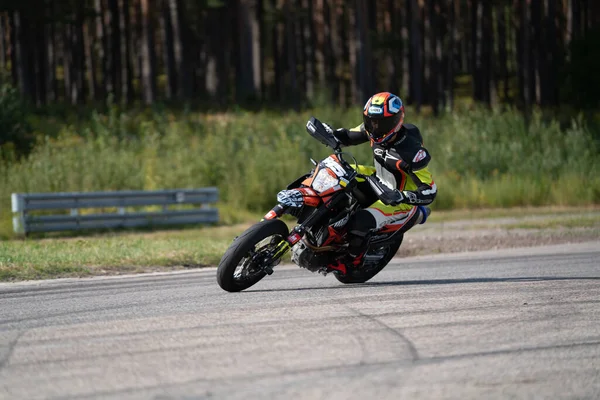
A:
[435, 282]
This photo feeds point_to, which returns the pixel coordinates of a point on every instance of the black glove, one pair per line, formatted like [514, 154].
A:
[390, 197]
[291, 198]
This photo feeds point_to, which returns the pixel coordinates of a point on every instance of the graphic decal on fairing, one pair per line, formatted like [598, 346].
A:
[334, 166]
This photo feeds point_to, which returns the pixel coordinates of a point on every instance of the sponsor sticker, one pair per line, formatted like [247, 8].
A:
[270, 215]
[293, 238]
[375, 110]
[420, 156]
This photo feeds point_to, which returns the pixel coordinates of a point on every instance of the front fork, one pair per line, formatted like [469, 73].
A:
[281, 249]
[296, 234]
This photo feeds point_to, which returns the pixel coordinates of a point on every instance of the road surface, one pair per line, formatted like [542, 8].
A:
[500, 324]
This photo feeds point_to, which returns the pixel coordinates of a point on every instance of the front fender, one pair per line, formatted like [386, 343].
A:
[298, 182]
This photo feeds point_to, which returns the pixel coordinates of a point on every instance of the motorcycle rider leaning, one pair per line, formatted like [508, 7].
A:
[404, 182]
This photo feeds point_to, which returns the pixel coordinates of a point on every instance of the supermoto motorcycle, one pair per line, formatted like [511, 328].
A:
[323, 202]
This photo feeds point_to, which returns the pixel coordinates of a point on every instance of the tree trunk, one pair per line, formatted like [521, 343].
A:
[67, 61]
[349, 36]
[262, 52]
[113, 56]
[21, 55]
[101, 49]
[483, 80]
[538, 48]
[416, 64]
[126, 65]
[319, 36]
[488, 72]
[277, 50]
[438, 71]
[334, 64]
[291, 54]
[298, 47]
[216, 66]
[248, 74]
[502, 53]
[452, 52]
[38, 57]
[3, 45]
[168, 50]
[428, 56]
[174, 13]
[78, 50]
[552, 61]
[365, 85]
[90, 62]
[50, 53]
[308, 50]
[476, 47]
[406, 50]
[524, 46]
[148, 55]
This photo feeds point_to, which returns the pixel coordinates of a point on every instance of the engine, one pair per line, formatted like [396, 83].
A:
[305, 257]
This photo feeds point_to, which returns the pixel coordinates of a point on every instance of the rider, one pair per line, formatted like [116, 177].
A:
[404, 182]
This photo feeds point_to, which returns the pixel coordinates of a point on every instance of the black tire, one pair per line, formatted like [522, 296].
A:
[241, 248]
[361, 275]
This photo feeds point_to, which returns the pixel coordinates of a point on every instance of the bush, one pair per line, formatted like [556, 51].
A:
[480, 158]
[16, 138]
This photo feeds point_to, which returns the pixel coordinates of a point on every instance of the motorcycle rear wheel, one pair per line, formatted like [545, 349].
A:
[240, 266]
[364, 273]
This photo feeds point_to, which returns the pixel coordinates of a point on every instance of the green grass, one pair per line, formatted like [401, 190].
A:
[113, 253]
[481, 158]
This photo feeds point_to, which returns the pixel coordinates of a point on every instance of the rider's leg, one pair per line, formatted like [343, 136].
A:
[359, 227]
[365, 222]
[401, 218]
[420, 217]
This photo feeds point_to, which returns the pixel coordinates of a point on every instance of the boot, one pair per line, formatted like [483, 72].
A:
[346, 261]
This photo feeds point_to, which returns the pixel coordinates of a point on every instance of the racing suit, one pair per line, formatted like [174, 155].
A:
[401, 168]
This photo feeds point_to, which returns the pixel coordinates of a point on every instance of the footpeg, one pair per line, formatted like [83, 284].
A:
[268, 270]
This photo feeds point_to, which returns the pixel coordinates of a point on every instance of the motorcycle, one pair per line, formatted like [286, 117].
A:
[322, 201]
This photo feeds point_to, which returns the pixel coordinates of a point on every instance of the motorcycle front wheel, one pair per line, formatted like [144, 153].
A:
[243, 264]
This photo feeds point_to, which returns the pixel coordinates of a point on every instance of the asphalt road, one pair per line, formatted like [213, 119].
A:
[505, 324]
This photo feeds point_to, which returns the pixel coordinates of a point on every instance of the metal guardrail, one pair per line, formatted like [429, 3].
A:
[23, 222]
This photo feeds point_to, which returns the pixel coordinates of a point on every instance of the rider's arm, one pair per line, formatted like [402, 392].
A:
[352, 137]
[415, 169]
[426, 188]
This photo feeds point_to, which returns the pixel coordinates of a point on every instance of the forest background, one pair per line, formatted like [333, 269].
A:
[157, 94]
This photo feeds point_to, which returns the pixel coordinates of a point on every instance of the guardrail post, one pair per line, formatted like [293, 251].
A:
[18, 214]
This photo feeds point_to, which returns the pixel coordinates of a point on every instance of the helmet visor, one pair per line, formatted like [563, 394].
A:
[378, 128]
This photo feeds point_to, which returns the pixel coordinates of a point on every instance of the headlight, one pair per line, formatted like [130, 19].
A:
[324, 181]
